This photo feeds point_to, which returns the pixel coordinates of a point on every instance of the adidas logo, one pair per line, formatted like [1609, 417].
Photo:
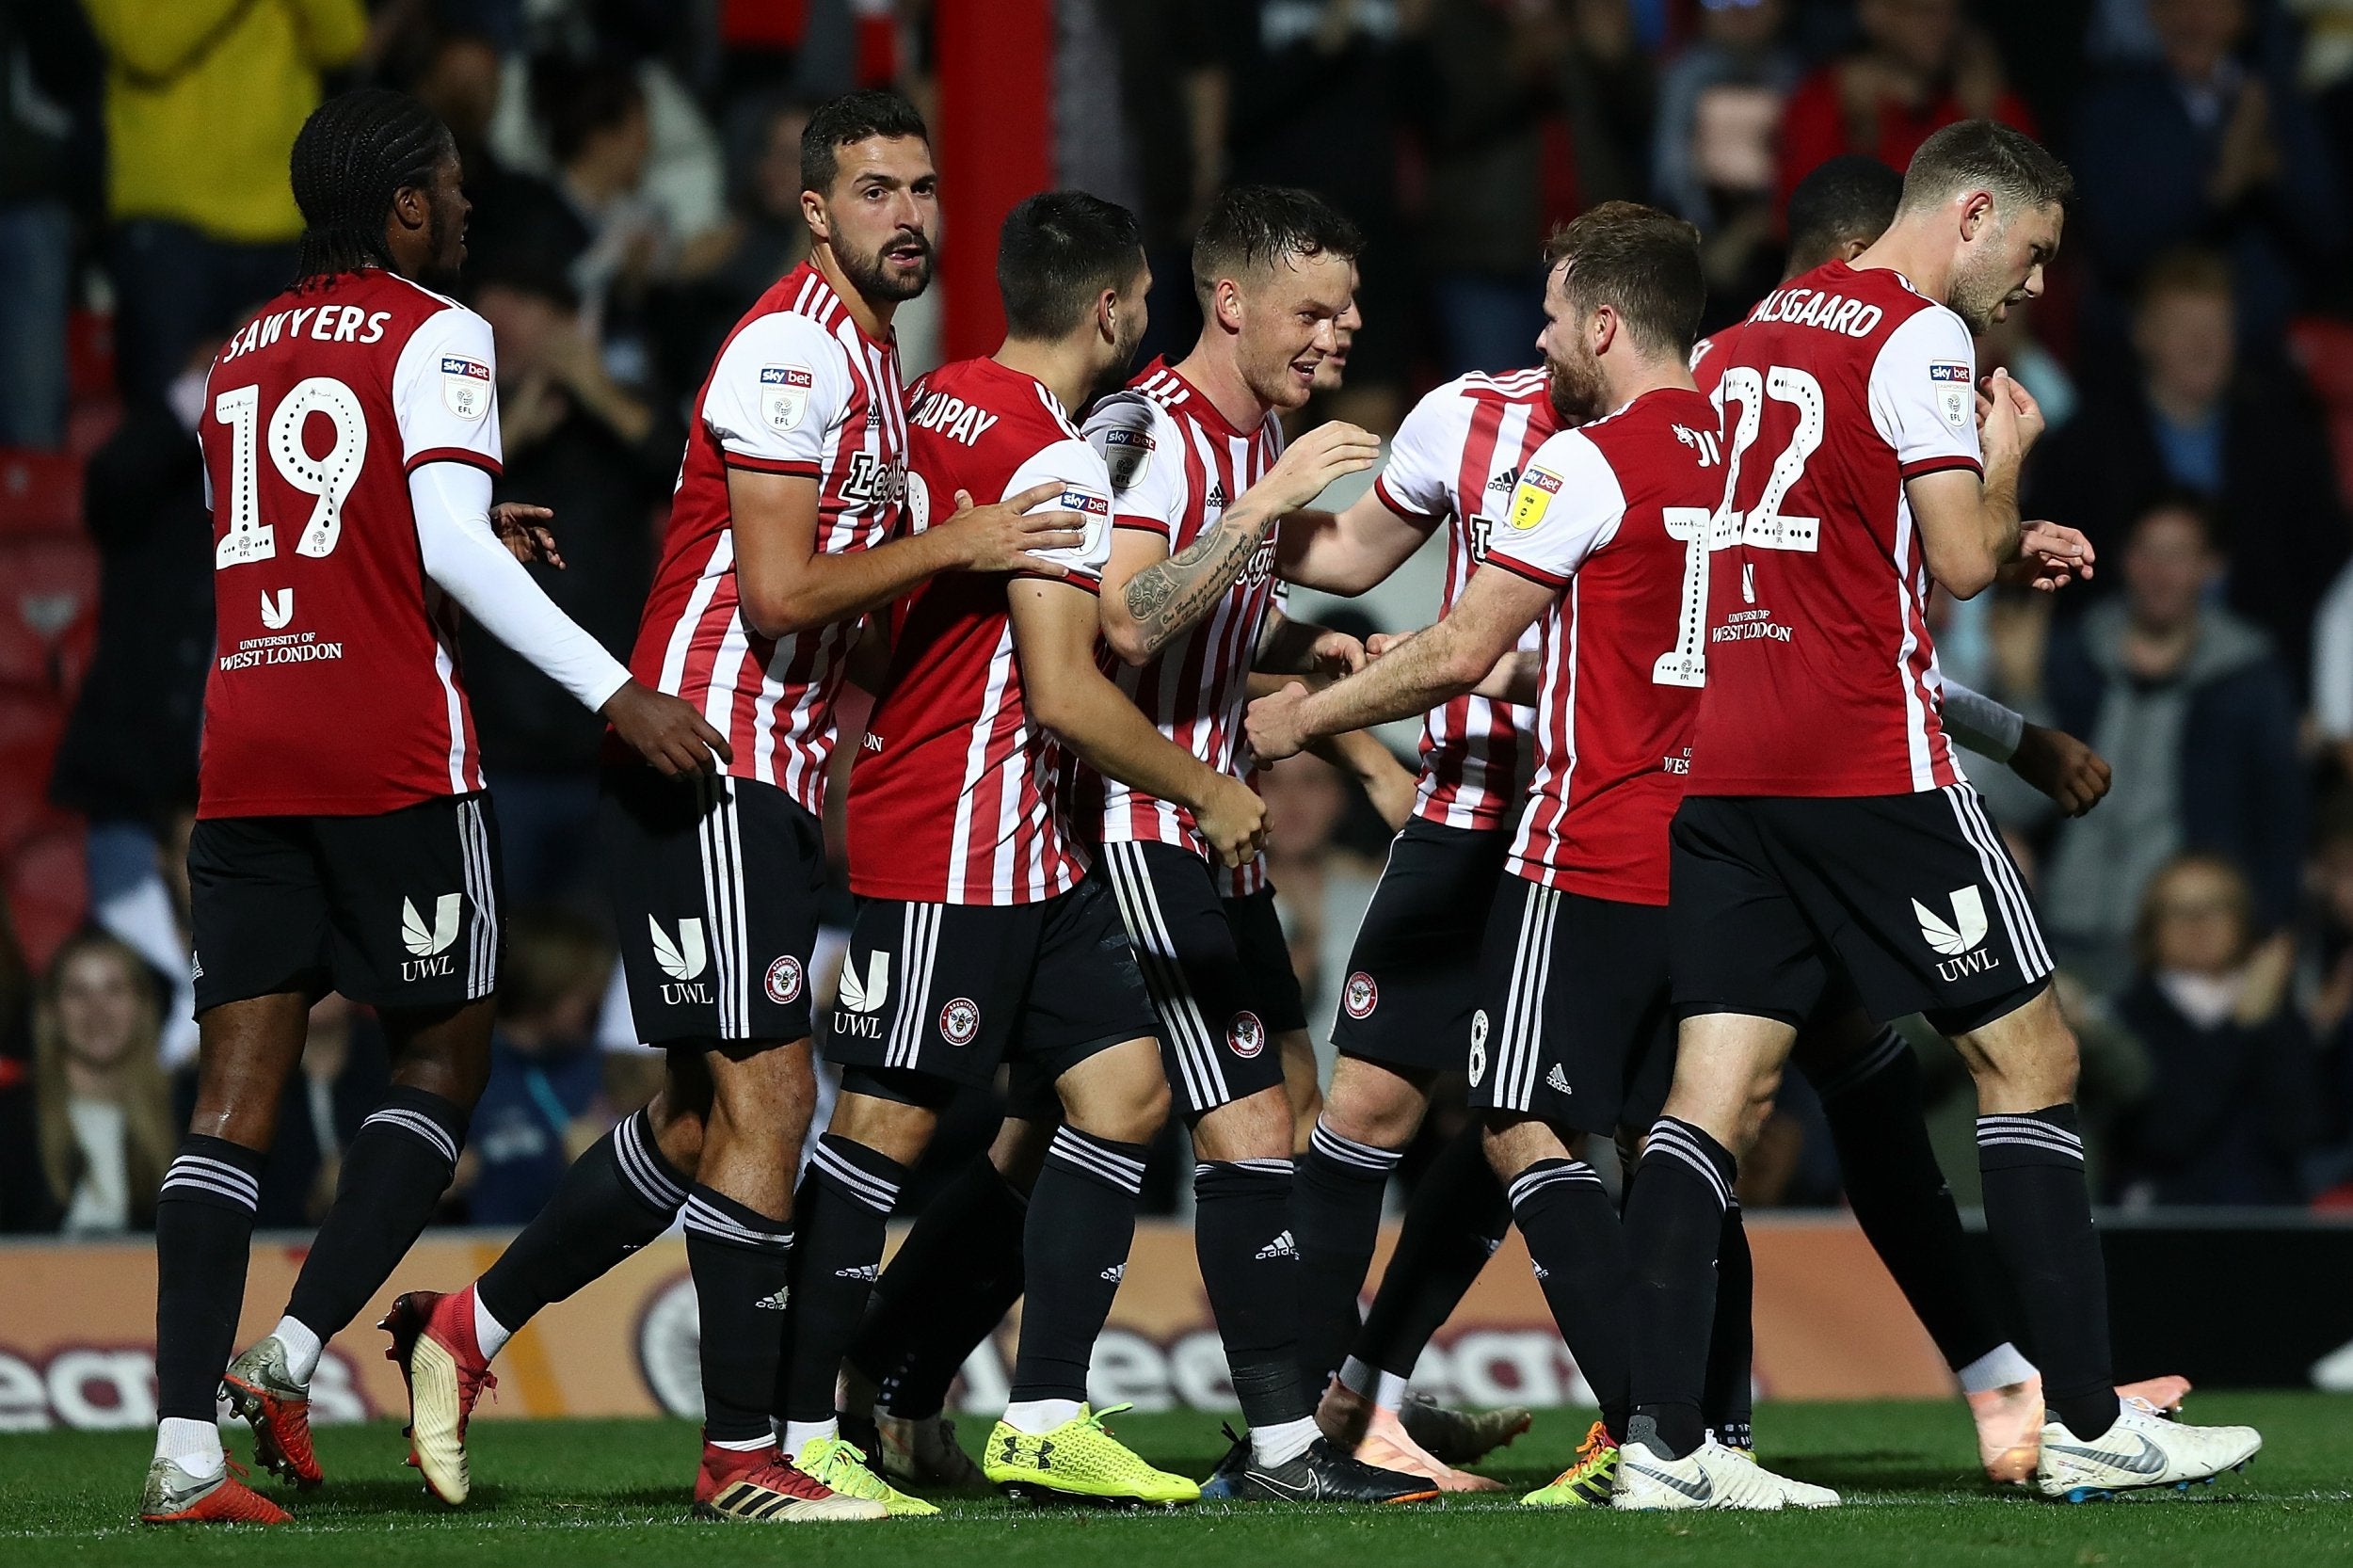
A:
[1116, 1273]
[1505, 480]
[1281, 1246]
[771, 1303]
[1557, 1080]
[1541, 1273]
[1216, 498]
[866, 1271]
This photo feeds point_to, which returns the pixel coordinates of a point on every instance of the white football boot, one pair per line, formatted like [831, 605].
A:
[2141, 1450]
[1711, 1477]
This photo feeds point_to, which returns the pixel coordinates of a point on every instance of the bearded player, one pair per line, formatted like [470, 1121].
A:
[778, 545]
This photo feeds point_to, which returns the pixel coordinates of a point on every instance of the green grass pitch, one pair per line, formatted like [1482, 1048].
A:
[580, 1493]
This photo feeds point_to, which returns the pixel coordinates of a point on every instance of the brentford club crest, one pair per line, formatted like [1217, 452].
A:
[1361, 996]
[1245, 1036]
[959, 1021]
[783, 979]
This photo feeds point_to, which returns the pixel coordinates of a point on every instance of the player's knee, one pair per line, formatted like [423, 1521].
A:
[893, 1127]
[1373, 1107]
[1133, 1116]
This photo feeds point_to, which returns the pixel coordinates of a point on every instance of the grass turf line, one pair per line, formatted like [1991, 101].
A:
[581, 1493]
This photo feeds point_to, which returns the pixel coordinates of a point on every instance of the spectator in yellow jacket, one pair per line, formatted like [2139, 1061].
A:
[203, 98]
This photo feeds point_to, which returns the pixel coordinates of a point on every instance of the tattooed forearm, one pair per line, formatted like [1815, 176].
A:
[1168, 596]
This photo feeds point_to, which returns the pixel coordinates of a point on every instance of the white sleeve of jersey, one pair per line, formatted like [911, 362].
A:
[1567, 505]
[1426, 457]
[445, 392]
[1924, 394]
[1086, 489]
[1138, 445]
[776, 395]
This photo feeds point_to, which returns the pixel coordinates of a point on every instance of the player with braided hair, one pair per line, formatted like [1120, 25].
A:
[344, 838]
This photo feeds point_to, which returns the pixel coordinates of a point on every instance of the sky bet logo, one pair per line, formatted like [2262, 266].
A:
[784, 375]
[471, 369]
[1081, 500]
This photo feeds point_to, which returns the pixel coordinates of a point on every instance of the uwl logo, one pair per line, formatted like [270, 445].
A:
[429, 951]
[867, 995]
[684, 958]
[277, 610]
[1958, 941]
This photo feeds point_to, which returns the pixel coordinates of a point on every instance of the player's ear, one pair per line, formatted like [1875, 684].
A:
[813, 214]
[1228, 301]
[1107, 316]
[1976, 213]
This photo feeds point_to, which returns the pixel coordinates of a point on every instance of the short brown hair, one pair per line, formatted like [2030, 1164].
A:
[1642, 264]
[1265, 226]
[2186, 270]
[1984, 154]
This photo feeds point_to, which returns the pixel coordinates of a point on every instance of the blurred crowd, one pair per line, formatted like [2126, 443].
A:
[634, 168]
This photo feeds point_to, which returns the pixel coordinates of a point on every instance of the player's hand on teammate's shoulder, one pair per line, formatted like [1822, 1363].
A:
[1329, 452]
[522, 529]
[666, 732]
[2071, 773]
[1233, 820]
[2050, 556]
[1274, 723]
[1002, 536]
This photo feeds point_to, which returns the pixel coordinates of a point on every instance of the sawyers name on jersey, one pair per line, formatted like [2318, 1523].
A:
[1175, 465]
[798, 390]
[334, 689]
[1612, 516]
[1456, 460]
[1840, 387]
[953, 794]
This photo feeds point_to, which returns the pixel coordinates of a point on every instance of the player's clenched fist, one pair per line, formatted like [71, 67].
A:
[1274, 724]
[2071, 773]
[1233, 819]
[1327, 453]
[666, 732]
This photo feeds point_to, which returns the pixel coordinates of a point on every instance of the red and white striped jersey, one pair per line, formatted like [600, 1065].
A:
[1822, 679]
[1613, 518]
[334, 689]
[1175, 465]
[798, 388]
[1455, 460]
[953, 795]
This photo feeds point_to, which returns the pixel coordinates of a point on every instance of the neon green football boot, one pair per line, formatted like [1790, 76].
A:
[1079, 1461]
[840, 1467]
[1587, 1482]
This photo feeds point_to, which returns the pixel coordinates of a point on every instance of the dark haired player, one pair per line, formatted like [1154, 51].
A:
[1861, 466]
[1868, 1079]
[344, 839]
[793, 480]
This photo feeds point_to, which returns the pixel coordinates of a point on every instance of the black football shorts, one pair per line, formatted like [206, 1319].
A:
[395, 910]
[1912, 898]
[716, 884]
[1412, 974]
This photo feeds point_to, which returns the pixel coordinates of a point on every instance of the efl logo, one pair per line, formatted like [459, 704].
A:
[473, 369]
[1361, 996]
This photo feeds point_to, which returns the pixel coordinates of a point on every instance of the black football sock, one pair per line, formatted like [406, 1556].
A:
[1250, 1269]
[204, 1238]
[2040, 1216]
[741, 1261]
[1336, 1217]
[840, 1211]
[617, 1196]
[1082, 1220]
[948, 1287]
[1899, 1198]
[1674, 1220]
[1580, 1250]
[1727, 1402]
[395, 1170]
[1456, 1218]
